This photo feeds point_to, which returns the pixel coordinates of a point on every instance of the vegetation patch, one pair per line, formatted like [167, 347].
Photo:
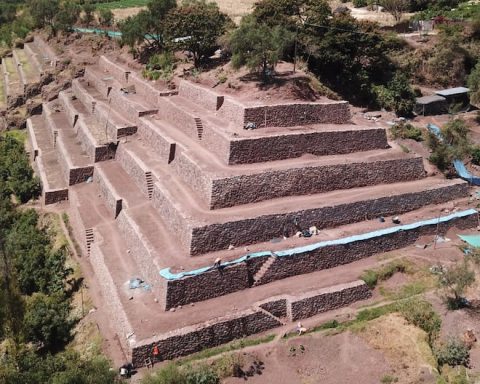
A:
[373, 276]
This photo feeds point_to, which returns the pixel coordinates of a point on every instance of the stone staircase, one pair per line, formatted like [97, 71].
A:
[198, 123]
[257, 278]
[149, 181]
[89, 239]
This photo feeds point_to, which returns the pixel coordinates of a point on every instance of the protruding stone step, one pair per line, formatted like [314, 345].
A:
[76, 164]
[257, 278]
[54, 185]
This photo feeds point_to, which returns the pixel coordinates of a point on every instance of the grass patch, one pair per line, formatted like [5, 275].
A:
[22, 57]
[18, 134]
[232, 346]
[122, 4]
[373, 276]
[66, 221]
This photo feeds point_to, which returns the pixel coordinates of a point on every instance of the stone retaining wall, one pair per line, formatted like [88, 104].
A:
[110, 295]
[143, 252]
[33, 58]
[332, 256]
[217, 282]
[246, 189]
[277, 307]
[46, 50]
[290, 115]
[178, 117]
[233, 111]
[142, 87]
[195, 338]
[110, 196]
[133, 166]
[160, 143]
[287, 146]
[327, 299]
[20, 71]
[200, 95]
[214, 237]
[314, 260]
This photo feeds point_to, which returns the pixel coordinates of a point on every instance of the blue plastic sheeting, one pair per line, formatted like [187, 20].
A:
[457, 164]
[98, 31]
[473, 240]
[435, 130]
[464, 174]
[165, 273]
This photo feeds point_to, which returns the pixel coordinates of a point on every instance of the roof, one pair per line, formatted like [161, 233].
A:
[429, 99]
[453, 91]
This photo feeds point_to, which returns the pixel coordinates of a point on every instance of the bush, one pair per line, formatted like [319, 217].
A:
[359, 3]
[170, 374]
[476, 155]
[404, 130]
[421, 314]
[372, 277]
[453, 352]
[397, 95]
[201, 375]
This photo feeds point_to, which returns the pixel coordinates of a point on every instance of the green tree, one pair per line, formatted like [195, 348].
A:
[474, 85]
[196, 27]
[396, 8]
[455, 281]
[148, 26]
[397, 95]
[105, 16]
[88, 13]
[47, 321]
[43, 12]
[67, 16]
[258, 46]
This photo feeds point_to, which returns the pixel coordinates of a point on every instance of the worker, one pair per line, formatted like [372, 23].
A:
[218, 262]
[155, 352]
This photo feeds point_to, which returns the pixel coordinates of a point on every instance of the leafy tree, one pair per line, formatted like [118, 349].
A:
[396, 8]
[47, 320]
[88, 13]
[67, 16]
[258, 46]
[474, 85]
[398, 95]
[44, 11]
[455, 280]
[195, 27]
[105, 17]
[148, 26]
[38, 267]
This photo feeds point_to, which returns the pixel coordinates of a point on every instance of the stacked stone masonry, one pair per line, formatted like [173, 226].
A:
[197, 288]
[192, 339]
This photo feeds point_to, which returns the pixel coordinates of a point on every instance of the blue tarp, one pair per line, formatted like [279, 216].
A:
[459, 165]
[473, 240]
[464, 174]
[166, 274]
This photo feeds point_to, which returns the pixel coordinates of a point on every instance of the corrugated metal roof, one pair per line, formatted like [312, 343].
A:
[453, 91]
[429, 99]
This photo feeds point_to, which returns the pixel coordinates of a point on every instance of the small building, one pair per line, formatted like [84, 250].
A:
[457, 96]
[431, 105]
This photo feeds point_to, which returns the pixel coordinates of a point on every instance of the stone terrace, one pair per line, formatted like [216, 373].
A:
[155, 177]
[24, 71]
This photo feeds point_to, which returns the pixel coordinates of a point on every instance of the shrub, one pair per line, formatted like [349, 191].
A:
[453, 352]
[372, 277]
[421, 314]
[359, 3]
[476, 155]
[170, 374]
[201, 375]
[404, 130]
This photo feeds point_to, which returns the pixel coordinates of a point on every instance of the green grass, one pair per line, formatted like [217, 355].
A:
[122, 4]
[373, 276]
[18, 134]
[27, 68]
[232, 346]
[11, 69]
[2, 93]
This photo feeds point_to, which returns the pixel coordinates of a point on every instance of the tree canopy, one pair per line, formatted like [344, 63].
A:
[258, 46]
[195, 27]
